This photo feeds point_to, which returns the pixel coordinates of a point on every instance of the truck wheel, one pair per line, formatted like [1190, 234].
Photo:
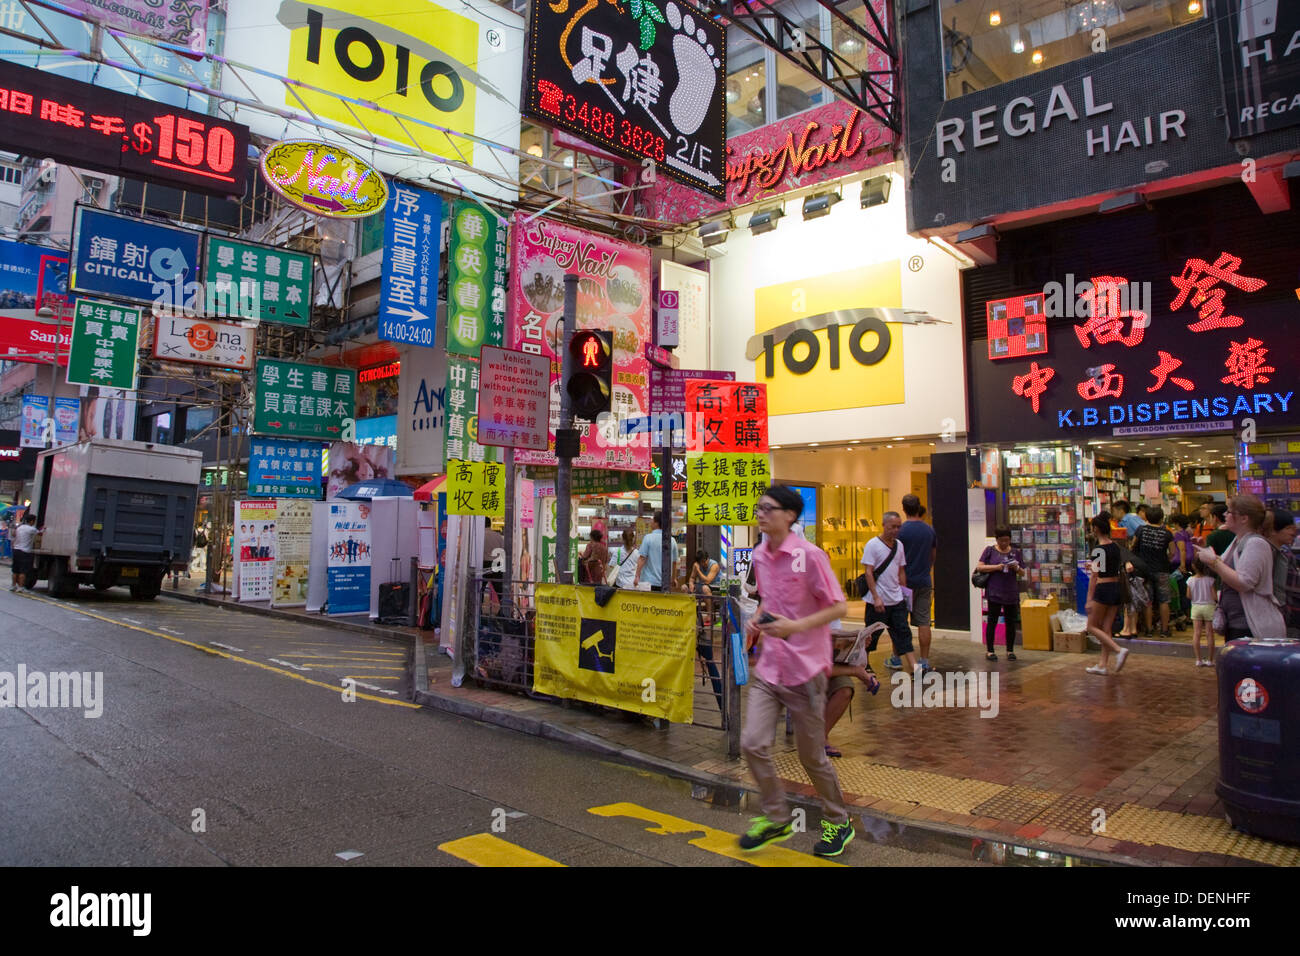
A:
[62, 583]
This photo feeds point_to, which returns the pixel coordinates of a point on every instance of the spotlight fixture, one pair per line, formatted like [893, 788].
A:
[814, 207]
[1018, 46]
[1122, 201]
[1194, 8]
[713, 233]
[875, 191]
[765, 220]
[995, 19]
[1037, 58]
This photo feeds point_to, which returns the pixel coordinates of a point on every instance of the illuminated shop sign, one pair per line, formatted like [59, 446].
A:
[381, 371]
[324, 179]
[1217, 344]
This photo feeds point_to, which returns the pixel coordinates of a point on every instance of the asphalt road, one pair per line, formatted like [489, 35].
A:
[225, 739]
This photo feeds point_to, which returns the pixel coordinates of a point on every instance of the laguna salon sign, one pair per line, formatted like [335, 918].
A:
[804, 150]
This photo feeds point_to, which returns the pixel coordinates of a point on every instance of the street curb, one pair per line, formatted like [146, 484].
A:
[420, 676]
[371, 630]
[549, 730]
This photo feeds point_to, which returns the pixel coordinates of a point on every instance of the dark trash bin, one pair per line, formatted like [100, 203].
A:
[1259, 737]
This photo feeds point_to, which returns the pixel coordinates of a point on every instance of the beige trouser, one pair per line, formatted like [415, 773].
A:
[807, 706]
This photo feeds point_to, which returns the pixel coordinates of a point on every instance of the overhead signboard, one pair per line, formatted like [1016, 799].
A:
[645, 84]
[37, 342]
[299, 400]
[275, 282]
[203, 342]
[278, 467]
[613, 295]
[400, 65]
[182, 22]
[126, 258]
[476, 279]
[514, 399]
[323, 179]
[105, 344]
[97, 128]
[1260, 62]
[408, 286]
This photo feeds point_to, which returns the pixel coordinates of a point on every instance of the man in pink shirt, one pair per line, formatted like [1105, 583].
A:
[800, 598]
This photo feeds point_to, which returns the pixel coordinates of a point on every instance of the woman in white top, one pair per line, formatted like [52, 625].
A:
[1246, 570]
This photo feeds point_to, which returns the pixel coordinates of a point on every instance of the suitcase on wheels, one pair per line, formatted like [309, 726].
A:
[394, 603]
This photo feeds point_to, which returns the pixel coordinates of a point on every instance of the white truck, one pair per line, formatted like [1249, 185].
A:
[114, 512]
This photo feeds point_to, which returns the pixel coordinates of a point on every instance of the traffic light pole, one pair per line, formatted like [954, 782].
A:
[666, 528]
[564, 465]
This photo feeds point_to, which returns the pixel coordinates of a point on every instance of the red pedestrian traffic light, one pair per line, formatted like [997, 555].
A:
[591, 380]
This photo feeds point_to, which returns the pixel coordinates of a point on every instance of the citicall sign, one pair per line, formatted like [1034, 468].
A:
[455, 66]
[822, 344]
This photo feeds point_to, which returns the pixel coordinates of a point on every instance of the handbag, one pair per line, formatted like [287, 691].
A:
[980, 579]
[863, 588]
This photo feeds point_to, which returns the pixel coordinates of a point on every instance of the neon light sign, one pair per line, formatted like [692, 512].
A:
[324, 179]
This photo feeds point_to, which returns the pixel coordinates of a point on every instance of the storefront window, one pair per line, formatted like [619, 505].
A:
[986, 44]
[197, 419]
[746, 83]
[851, 518]
[796, 89]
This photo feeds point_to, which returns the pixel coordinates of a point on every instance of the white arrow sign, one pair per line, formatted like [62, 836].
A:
[690, 170]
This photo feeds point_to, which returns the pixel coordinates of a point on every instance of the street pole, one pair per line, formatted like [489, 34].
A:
[665, 534]
[564, 465]
[508, 574]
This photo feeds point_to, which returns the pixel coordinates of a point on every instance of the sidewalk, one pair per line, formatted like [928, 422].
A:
[1134, 754]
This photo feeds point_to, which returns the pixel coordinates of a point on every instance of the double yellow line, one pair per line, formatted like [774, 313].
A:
[77, 609]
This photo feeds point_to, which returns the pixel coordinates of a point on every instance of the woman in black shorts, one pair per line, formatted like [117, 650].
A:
[1104, 597]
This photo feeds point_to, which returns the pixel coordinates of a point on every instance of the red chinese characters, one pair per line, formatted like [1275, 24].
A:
[1033, 384]
[1102, 381]
[1197, 285]
[1245, 364]
[1106, 302]
[1167, 365]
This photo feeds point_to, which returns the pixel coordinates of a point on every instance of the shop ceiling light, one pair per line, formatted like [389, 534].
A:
[713, 233]
[765, 220]
[875, 192]
[814, 207]
[1122, 201]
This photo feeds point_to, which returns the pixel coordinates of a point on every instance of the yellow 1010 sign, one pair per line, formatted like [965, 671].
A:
[324, 179]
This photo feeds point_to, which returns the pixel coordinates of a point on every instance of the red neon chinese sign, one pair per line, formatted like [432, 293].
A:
[1198, 282]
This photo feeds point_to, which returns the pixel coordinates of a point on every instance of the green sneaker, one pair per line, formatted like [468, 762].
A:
[835, 837]
[763, 831]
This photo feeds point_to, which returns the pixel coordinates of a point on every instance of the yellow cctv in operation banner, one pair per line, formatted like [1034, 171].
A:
[413, 58]
[834, 362]
[637, 653]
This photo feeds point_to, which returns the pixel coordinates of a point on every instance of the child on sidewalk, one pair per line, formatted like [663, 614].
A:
[1201, 590]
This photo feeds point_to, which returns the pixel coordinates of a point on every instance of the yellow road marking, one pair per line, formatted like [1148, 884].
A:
[216, 653]
[334, 657]
[714, 841]
[484, 849]
[372, 676]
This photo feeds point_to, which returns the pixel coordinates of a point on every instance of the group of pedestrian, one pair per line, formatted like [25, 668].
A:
[898, 587]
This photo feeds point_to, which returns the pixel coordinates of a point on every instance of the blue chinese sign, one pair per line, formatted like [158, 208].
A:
[381, 430]
[278, 468]
[408, 293]
[131, 259]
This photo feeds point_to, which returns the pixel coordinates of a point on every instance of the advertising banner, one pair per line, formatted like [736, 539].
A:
[182, 22]
[36, 408]
[32, 341]
[421, 412]
[125, 258]
[454, 66]
[255, 544]
[650, 87]
[615, 295]
[476, 283]
[105, 344]
[637, 653]
[292, 553]
[408, 285]
[476, 488]
[350, 463]
[94, 127]
[284, 468]
[36, 413]
[462, 412]
[299, 400]
[514, 398]
[104, 413]
[31, 278]
[276, 282]
[323, 179]
[203, 342]
[348, 557]
[724, 489]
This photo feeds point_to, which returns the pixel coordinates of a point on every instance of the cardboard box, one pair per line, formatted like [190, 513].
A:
[1036, 624]
[1070, 642]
